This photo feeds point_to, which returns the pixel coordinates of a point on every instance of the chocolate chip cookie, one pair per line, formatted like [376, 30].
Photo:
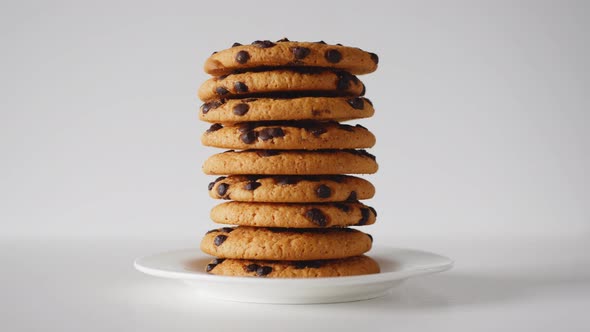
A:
[261, 243]
[291, 162]
[291, 135]
[352, 266]
[284, 53]
[291, 188]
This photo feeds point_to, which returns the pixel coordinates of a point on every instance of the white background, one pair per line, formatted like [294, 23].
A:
[482, 117]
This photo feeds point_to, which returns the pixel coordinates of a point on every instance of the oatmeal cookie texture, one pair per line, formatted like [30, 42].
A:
[278, 108]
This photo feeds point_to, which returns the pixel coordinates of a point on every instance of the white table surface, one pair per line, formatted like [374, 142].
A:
[89, 284]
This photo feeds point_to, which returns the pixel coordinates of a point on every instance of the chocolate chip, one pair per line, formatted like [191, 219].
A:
[242, 57]
[251, 267]
[263, 270]
[339, 44]
[333, 56]
[226, 229]
[267, 153]
[344, 80]
[249, 137]
[352, 197]
[210, 186]
[241, 109]
[374, 211]
[221, 91]
[369, 101]
[269, 133]
[220, 178]
[240, 87]
[210, 267]
[219, 239]
[218, 261]
[206, 107]
[214, 52]
[360, 126]
[252, 185]
[300, 52]
[342, 207]
[357, 103]
[236, 44]
[283, 40]
[370, 237]
[263, 43]
[364, 217]
[317, 217]
[364, 90]
[214, 127]
[374, 57]
[321, 42]
[317, 131]
[323, 191]
[245, 127]
[212, 231]
[348, 128]
[307, 264]
[222, 189]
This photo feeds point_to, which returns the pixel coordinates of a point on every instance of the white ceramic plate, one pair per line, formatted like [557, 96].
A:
[396, 265]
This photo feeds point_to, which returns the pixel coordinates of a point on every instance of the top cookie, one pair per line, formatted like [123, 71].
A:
[285, 53]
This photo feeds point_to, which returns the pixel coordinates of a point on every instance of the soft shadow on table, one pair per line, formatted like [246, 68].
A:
[458, 289]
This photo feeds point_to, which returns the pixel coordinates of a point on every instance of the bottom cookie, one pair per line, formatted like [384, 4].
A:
[357, 265]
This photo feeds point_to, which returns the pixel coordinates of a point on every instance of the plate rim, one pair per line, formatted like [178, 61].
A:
[447, 263]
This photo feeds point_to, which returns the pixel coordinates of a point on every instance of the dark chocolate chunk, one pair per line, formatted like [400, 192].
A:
[317, 217]
[212, 231]
[269, 133]
[241, 109]
[374, 57]
[352, 197]
[343, 207]
[240, 87]
[221, 91]
[333, 56]
[252, 185]
[308, 264]
[251, 267]
[346, 127]
[364, 90]
[369, 101]
[268, 153]
[249, 137]
[210, 267]
[300, 52]
[226, 229]
[210, 186]
[321, 42]
[236, 44]
[263, 43]
[263, 271]
[214, 127]
[344, 80]
[218, 261]
[222, 189]
[206, 107]
[219, 239]
[364, 217]
[282, 40]
[242, 57]
[357, 103]
[323, 191]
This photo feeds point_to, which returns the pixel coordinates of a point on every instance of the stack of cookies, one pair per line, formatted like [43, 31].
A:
[277, 107]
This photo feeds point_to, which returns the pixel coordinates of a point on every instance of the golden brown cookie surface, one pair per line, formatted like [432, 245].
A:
[291, 54]
[292, 215]
[291, 162]
[274, 109]
[289, 135]
[261, 243]
[352, 266]
[282, 81]
[291, 189]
